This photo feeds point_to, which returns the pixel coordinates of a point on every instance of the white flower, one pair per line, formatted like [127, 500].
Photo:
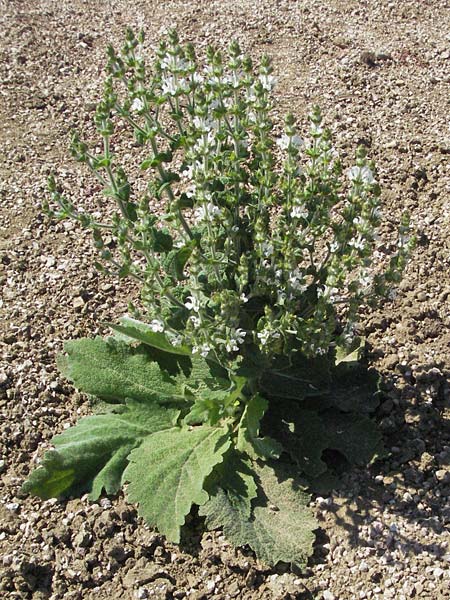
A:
[205, 349]
[157, 326]
[169, 86]
[192, 304]
[283, 142]
[252, 97]
[189, 173]
[316, 129]
[176, 340]
[197, 78]
[361, 174]
[266, 334]
[267, 249]
[205, 144]
[208, 212]
[137, 105]
[173, 63]
[358, 243]
[267, 81]
[334, 246]
[286, 141]
[204, 124]
[365, 280]
[195, 321]
[296, 281]
[328, 292]
[299, 212]
[244, 298]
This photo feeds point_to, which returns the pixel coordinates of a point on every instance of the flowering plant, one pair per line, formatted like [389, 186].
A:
[252, 273]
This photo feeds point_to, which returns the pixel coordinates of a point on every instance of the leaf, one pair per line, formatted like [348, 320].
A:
[167, 472]
[248, 440]
[355, 436]
[236, 476]
[132, 329]
[177, 259]
[209, 406]
[113, 371]
[297, 380]
[305, 435]
[351, 354]
[93, 454]
[162, 240]
[281, 527]
[302, 435]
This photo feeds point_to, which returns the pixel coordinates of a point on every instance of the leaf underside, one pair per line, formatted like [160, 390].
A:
[281, 526]
[167, 472]
[131, 329]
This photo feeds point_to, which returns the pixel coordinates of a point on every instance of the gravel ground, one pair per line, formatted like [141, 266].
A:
[380, 71]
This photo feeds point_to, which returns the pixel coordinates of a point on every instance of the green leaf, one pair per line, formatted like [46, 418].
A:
[306, 434]
[93, 454]
[167, 472]
[210, 406]
[162, 240]
[281, 527]
[235, 475]
[301, 378]
[113, 371]
[132, 329]
[177, 259]
[350, 354]
[248, 440]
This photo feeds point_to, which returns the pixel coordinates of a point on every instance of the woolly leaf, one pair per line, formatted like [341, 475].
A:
[132, 329]
[305, 435]
[113, 371]
[236, 476]
[248, 432]
[167, 472]
[92, 455]
[281, 526]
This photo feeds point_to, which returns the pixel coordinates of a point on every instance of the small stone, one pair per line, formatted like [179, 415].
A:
[438, 573]
[418, 586]
[421, 296]
[141, 594]
[327, 595]
[78, 303]
[442, 474]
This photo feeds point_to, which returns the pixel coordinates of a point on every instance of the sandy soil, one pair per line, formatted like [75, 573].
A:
[380, 71]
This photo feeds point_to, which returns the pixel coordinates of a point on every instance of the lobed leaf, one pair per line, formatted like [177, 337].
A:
[281, 526]
[236, 476]
[92, 455]
[305, 435]
[248, 439]
[167, 472]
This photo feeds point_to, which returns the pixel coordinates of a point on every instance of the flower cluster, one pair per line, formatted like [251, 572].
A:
[265, 244]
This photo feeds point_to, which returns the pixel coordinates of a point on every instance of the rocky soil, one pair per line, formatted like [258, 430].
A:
[381, 72]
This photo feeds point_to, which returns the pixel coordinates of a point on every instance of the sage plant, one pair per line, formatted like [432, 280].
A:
[262, 242]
